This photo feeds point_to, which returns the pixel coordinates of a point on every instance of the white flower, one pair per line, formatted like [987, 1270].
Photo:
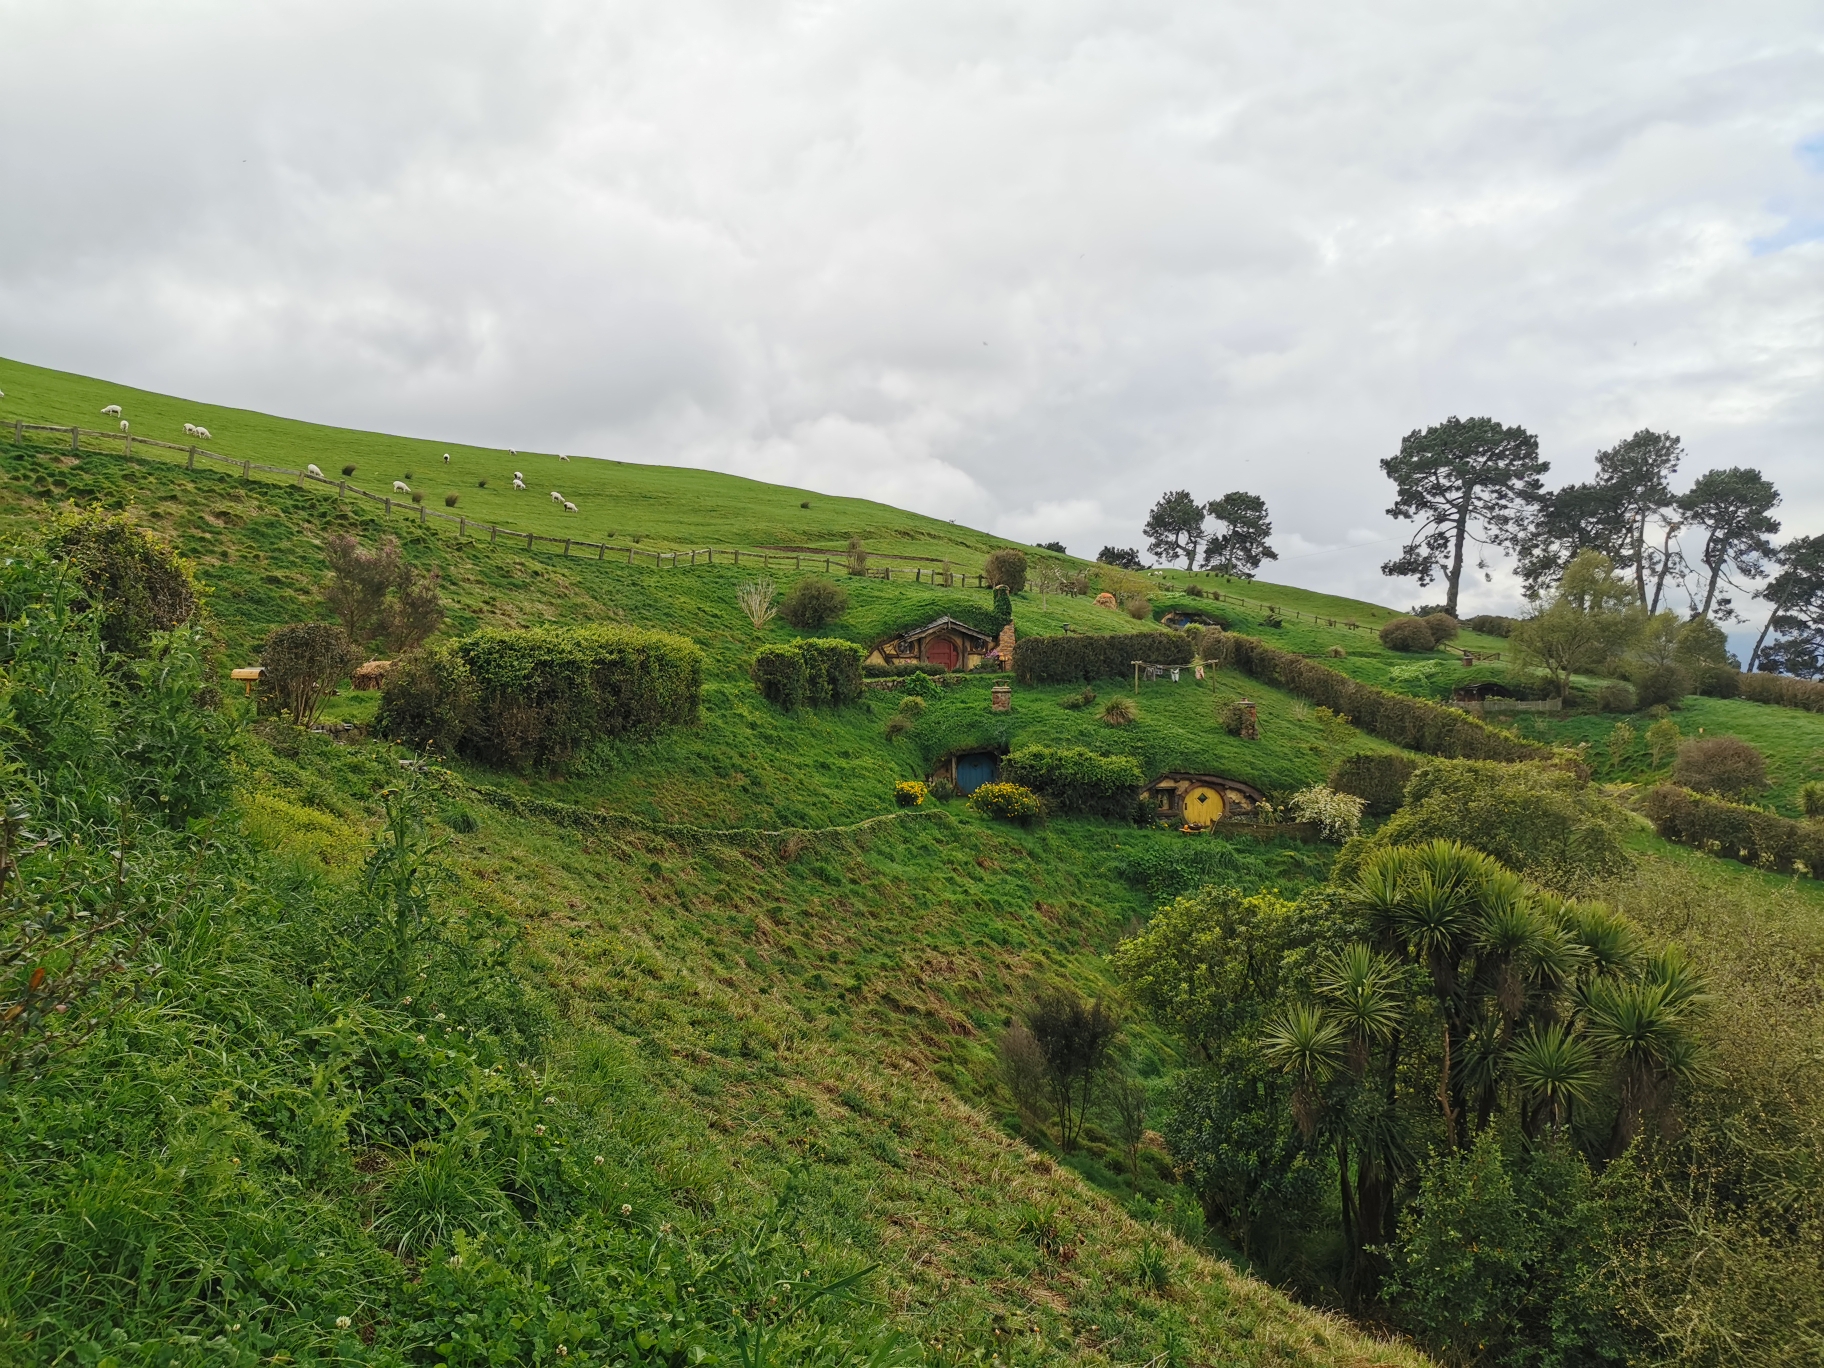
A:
[599, 1161]
[1337, 815]
[455, 1261]
[419, 1039]
[626, 1210]
[343, 1322]
[440, 1016]
[538, 1130]
[550, 1101]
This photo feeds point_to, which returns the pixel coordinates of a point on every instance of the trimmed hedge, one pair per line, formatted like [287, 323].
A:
[1783, 691]
[1735, 832]
[1378, 778]
[542, 695]
[1408, 634]
[781, 675]
[815, 671]
[1074, 780]
[1077, 658]
[1412, 723]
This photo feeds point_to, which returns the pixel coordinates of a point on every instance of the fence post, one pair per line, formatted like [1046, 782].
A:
[601, 552]
[737, 556]
[18, 432]
[630, 555]
[826, 565]
[566, 546]
[341, 488]
[421, 513]
[129, 444]
[797, 564]
[462, 526]
[493, 534]
[388, 501]
[191, 463]
[245, 467]
[74, 436]
[528, 541]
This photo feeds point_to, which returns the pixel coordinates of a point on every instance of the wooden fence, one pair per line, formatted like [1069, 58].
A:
[495, 535]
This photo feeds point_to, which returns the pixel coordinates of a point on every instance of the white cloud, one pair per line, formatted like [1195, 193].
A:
[1026, 265]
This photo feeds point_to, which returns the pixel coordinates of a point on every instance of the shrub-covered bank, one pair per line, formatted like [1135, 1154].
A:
[1735, 830]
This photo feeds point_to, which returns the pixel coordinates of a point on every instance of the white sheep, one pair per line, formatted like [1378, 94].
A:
[569, 507]
[313, 472]
[203, 432]
[519, 475]
[112, 410]
[446, 458]
[518, 483]
[563, 458]
[511, 452]
[189, 429]
[401, 487]
[556, 497]
[123, 424]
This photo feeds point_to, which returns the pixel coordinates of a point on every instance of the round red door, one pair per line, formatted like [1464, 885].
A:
[941, 652]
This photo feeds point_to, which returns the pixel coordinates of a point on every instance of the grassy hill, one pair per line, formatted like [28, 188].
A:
[766, 998]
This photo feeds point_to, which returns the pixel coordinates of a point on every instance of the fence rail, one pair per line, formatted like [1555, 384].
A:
[472, 529]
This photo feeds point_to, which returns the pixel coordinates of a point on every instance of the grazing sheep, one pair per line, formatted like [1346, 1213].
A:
[313, 472]
[112, 410]
[189, 429]
[203, 432]
[519, 484]
[401, 487]
[123, 424]
[446, 458]
[511, 452]
[563, 458]
[569, 507]
[556, 497]
[519, 475]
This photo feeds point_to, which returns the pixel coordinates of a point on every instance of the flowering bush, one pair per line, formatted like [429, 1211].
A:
[1338, 815]
[908, 793]
[1009, 802]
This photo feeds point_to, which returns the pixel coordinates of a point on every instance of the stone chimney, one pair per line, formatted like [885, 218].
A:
[1007, 647]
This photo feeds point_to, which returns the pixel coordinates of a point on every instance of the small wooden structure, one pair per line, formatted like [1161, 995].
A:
[370, 675]
[1201, 800]
[247, 676]
[945, 644]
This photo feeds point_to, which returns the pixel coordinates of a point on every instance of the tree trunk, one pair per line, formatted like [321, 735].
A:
[1665, 567]
[1640, 555]
[1716, 573]
[1352, 1241]
[1761, 640]
[1456, 554]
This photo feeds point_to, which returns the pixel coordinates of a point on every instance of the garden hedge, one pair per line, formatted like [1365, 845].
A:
[1412, 723]
[817, 670]
[1076, 658]
[542, 695]
[1074, 780]
[1734, 831]
[1783, 691]
[1378, 778]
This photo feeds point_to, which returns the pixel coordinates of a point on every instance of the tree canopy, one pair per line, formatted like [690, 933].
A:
[1174, 529]
[1463, 480]
[1239, 548]
[1733, 507]
[1796, 593]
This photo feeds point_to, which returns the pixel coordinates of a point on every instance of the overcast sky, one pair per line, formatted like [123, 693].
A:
[1023, 265]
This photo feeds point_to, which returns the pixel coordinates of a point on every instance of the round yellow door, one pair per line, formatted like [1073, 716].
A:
[1202, 805]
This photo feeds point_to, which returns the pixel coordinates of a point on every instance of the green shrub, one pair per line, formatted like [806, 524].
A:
[1079, 657]
[813, 602]
[1407, 634]
[138, 582]
[1719, 681]
[1006, 567]
[1443, 627]
[1003, 607]
[1410, 723]
[909, 793]
[1784, 691]
[1662, 685]
[1242, 719]
[920, 685]
[1734, 831]
[1724, 765]
[1501, 1262]
[1616, 697]
[1378, 778]
[1119, 711]
[1811, 799]
[782, 677]
[832, 670]
[1536, 819]
[1137, 606]
[1074, 780]
[300, 664]
[1071, 702]
[1009, 802]
[450, 500]
[942, 788]
[543, 695]
[912, 705]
